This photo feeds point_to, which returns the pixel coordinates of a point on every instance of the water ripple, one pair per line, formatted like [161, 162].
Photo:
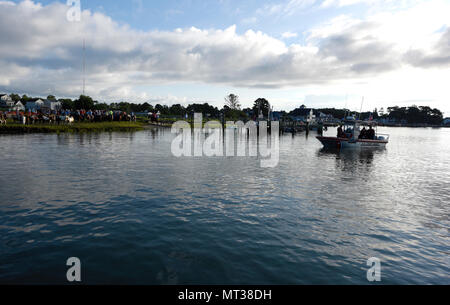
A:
[136, 215]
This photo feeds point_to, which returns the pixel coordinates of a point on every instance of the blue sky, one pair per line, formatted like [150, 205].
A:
[318, 52]
[172, 14]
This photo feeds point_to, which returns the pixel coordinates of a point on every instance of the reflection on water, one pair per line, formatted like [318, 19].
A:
[359, 161]
[134, 214]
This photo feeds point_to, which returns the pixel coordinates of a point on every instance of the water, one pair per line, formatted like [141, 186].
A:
[134, 214]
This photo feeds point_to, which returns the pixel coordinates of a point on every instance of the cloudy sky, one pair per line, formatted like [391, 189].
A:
[317, 52]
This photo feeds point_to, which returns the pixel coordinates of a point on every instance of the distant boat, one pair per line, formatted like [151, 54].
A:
[351, 138]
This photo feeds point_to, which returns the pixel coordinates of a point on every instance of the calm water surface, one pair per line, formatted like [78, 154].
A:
[134, 214]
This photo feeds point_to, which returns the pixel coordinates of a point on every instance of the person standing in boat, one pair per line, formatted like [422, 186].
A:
[340, 132]
[371, 133]
[320, 129]
[363, 133]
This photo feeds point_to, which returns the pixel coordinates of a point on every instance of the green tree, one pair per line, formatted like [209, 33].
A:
[101, 106]
[232, 101]
[234, 114]
[177, 110]
[144, 107]
[124, 106]
[67, 104]
[15, 97]
[336, 113]
[262, 105]
[24, 99]
[416, 115]
[206, 109]
[375, 114]
[84, 102]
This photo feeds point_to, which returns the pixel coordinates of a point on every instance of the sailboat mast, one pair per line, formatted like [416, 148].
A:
[345, 108]
[362, 103]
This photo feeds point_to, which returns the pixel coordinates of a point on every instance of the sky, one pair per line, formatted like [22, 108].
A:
[321, 53]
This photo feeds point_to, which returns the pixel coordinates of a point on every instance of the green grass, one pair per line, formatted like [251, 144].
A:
[76, 127]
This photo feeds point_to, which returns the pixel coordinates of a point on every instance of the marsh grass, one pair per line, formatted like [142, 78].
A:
[75, 127]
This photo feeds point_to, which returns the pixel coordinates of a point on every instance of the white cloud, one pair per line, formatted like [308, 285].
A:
[41, 52]
[289, 35]
[341, 3]
[286, 8]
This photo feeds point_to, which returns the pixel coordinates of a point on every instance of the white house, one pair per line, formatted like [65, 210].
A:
[19, 106]
[6, 101]
[34, 106]
[51, 105]
[311, 117]
[326, 118]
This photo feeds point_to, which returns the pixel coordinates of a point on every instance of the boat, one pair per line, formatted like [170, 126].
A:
[350, 139]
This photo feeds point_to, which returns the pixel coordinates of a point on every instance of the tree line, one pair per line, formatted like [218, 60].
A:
[411, 115]
[232, 109]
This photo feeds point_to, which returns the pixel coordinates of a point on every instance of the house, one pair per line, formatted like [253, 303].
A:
[277, 115]
[34, 106]
[18, 107]
[387, 121]
[51, 105]
[6, 101]
[304, 114]
[326, 118]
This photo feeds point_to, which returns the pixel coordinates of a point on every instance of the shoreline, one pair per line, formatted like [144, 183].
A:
[16, 128]
[72, 128]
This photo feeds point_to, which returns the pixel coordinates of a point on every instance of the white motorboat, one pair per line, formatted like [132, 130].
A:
[352, 137]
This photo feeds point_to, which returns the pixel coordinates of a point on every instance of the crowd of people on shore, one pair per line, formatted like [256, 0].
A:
[2, 118]
[67, 116]
[153, 116]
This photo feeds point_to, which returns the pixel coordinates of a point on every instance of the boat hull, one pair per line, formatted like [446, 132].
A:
[344, 143]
